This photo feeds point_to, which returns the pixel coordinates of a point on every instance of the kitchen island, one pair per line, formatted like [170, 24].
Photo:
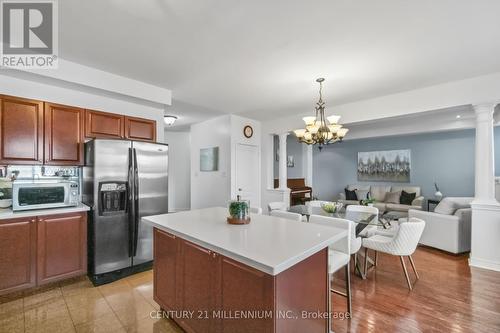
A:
[268, 276]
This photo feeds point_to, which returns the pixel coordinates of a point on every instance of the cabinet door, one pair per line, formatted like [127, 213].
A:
[103, 125]
[165, 269]
[245, 289]
[197, 287]
[63, 135]
[21, 131]
[17, 254]
[62, 246]
[140, 129]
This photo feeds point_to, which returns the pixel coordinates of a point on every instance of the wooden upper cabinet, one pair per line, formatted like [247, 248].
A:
[140, 129]
[63, 135]
[104, 125]
[21, 131]
[62, 246]
[18, 251]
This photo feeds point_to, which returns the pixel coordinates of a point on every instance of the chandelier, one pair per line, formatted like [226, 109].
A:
[321, 130]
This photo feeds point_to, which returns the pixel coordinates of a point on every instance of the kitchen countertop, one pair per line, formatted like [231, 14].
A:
[7, 213]
[269, 244]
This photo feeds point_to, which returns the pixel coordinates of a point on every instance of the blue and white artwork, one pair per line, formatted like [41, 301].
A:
[385, 166]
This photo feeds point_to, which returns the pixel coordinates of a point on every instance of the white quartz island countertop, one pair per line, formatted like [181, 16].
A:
[269, 244]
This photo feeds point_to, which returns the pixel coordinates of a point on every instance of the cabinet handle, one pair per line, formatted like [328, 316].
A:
[214, 255]
[32, 220]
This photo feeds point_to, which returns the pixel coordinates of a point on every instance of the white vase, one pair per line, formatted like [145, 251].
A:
[438, 195]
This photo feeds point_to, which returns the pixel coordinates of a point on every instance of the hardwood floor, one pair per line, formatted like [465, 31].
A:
[449, 297]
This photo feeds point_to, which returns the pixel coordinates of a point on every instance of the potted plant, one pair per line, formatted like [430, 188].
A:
[368, 202]
[239, 211]
[332, 207]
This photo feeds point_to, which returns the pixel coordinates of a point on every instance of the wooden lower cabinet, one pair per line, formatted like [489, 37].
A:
[17, 254]
[197, 287]
[62, 247]
[38, 250]
[249, 291]
[165, 268]
[210, 292]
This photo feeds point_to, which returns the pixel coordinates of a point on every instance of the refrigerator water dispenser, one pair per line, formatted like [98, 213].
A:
[112, 198]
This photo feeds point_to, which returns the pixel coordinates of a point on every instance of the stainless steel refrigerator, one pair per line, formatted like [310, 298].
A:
[122, 182]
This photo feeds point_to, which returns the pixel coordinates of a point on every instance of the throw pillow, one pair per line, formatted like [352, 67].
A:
[362, 194]
[392, 197]
[350, 195]
[407, 198]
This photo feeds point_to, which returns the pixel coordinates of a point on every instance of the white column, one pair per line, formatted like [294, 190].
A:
[307, 153]
[485, 228]
[485, 158]
[282, 163]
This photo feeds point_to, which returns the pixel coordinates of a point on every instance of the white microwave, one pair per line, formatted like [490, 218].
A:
[44, 194]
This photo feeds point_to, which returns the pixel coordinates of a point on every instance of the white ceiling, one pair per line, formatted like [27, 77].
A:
[260, 58]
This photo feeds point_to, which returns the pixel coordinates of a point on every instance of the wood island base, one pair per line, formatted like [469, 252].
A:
[204, 291]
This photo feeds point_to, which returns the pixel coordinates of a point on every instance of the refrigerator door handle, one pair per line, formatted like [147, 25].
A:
[130, 208]
[136, 202]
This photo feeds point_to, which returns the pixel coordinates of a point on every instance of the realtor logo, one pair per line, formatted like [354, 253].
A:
[29, 34]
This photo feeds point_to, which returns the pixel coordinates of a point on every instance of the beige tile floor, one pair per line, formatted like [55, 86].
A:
[77, 306]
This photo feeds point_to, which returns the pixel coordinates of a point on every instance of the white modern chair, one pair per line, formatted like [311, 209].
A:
[287, 215]
[339, 254]
[256, 210]
[402, 244]
[277, 205]
[350, 214]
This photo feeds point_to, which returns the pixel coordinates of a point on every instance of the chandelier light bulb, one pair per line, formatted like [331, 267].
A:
[299, 133]
[333, 119]
[342, 132]
[309, 120]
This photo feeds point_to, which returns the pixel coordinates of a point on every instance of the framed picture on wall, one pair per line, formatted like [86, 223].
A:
[209, 159]
[385, 166]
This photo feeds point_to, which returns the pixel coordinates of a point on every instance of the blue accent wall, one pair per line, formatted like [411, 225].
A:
[446, 158]
[293, 148]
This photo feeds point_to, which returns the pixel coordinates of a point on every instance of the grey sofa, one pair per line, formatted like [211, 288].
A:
[378, 193]
[448, 228]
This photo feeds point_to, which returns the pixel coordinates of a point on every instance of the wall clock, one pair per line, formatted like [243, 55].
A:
[248, 131]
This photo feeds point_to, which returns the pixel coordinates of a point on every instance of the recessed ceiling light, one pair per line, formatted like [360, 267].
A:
[169, 120]
[459, 116]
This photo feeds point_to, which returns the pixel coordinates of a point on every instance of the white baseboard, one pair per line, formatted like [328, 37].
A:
[486, 264]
